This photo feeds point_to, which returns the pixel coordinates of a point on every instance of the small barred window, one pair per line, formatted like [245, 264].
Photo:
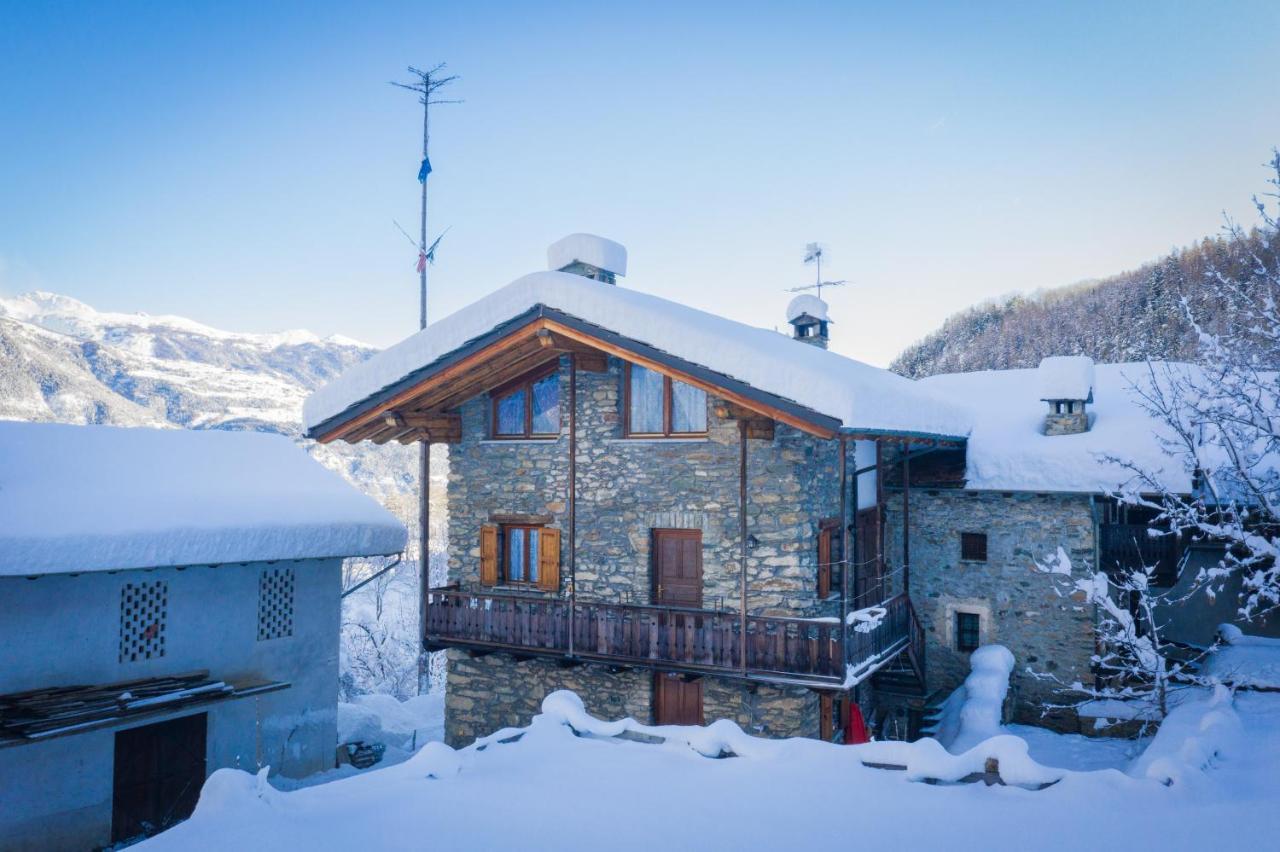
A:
[144, 609]
[973, 547]
[275, 603]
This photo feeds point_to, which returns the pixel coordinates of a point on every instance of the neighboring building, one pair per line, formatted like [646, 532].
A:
[169, 605]
[651, 505]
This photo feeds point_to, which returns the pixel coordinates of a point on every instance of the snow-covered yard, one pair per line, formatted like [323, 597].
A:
[569, 782]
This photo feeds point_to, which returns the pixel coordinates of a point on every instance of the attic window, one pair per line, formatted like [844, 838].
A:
[528, 407]
[659, 406]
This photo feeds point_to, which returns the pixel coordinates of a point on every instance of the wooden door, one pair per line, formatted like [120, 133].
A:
[677, 568]
[159, 770]
[869, 562]
[676, 701]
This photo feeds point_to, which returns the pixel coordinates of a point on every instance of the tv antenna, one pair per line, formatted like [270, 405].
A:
[814, 253]
[426, 84]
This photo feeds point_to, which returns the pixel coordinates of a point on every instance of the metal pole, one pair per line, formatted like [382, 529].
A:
[844, 548]
[424, 554]
[906, 517]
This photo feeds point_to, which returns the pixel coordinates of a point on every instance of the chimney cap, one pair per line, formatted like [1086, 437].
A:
[1066, 377]
[807, 305]
[588, 249]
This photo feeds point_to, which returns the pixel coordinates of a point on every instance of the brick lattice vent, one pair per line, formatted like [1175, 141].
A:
[144, 612]
[275, 603]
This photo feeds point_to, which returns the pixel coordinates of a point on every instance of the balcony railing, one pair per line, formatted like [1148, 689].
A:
[672, 638]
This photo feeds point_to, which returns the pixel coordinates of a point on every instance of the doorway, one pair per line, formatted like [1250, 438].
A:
[676, 701]
[677, 568]
[159, 770]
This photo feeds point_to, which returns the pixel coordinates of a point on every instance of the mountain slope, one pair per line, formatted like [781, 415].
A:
[63, 361]
[1131, 316]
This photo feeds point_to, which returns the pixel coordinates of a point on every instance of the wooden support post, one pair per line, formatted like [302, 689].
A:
[742, 536]
[906, 518]
[573, 494]
[853, 541]
[424, 556]
[844, 550]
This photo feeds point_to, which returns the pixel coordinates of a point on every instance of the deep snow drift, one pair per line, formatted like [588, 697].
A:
[568, 782]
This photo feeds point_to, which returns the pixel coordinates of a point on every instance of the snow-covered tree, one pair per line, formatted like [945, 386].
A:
[1221, 419]
[1133, 662]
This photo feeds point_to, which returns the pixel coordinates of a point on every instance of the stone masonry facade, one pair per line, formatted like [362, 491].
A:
[626, 487]
[1017, 606]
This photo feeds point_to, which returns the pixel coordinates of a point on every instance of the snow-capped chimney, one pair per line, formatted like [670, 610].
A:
[808, 317]
[589, 256]
[1066, 383]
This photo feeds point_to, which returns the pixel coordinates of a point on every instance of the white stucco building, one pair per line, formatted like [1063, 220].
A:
[169, 605]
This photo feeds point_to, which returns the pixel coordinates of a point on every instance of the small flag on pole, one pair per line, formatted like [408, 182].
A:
[422, 261]
[424, 171]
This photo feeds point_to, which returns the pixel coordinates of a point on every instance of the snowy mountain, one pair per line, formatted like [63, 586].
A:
[63, 361]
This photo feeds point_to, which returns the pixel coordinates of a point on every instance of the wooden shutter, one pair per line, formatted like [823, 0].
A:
[549, 559]
[489, 555]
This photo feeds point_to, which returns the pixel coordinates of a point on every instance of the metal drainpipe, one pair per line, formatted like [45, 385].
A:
[844, 550]
[573, 494]
[424, 553]
[742, 538]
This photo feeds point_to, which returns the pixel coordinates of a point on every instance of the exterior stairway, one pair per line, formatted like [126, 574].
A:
[904, 675]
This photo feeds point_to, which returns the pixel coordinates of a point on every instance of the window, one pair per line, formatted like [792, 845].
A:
[520, 554]
[658, 405]
[529, 407]
[973, 547]
[968, 626]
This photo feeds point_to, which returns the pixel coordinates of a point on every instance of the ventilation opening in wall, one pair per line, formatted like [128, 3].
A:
[144, 611]
[275, 603]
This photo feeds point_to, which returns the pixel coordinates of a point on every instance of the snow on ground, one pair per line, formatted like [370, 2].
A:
[568, 782]
[1244, 660]
[91, 498]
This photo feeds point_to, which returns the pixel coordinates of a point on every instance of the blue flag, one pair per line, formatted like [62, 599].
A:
[424, 171]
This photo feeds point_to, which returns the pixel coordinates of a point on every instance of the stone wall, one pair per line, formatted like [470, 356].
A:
[488, 693]
[625, 489]
[1018, 607]
[628, 487]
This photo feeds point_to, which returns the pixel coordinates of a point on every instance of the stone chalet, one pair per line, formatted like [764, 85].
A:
[684, 518]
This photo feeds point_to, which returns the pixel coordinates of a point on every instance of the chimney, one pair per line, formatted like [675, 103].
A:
[589, 256]
[1066, 383]
[808, 317]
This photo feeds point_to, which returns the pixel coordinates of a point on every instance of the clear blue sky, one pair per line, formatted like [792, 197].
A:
[241, 164]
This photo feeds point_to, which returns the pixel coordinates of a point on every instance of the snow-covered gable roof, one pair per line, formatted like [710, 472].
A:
[93, 498]
[1066, 377]
[1008, 450]
[859, 396]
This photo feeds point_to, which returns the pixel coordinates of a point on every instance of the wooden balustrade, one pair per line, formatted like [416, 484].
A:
[665, 637]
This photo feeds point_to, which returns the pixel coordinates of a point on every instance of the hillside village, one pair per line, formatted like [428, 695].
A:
[636, 537]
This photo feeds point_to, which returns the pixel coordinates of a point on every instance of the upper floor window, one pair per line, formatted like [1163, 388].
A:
[659, 406]
[529, 407]
[973, 547]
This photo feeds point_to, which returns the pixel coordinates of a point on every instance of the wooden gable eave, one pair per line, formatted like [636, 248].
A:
[525, 343]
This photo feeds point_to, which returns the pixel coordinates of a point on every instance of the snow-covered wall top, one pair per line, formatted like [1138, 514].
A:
[93, 498]
[807, 304]
[1008, 451]
[1066, 377]
[588, 248]
[858, 395]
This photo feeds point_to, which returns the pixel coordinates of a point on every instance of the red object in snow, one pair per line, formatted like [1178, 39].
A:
[855, 729]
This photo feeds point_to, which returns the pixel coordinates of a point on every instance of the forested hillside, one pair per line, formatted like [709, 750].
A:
[1130, 316]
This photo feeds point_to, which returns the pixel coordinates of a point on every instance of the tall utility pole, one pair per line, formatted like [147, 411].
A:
[425, 84]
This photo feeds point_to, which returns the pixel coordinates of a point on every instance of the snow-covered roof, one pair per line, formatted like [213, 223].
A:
[1066, 377]
[807, 305]
[93, 498]
[1008, 450]
[588, 248]
[859, 396]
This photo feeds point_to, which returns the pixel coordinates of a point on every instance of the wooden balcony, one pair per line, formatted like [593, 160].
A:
[813, 652]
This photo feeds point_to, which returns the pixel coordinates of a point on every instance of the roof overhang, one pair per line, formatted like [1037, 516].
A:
[414, 406]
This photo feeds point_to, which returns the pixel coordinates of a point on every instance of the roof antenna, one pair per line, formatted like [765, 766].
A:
[814, 253]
